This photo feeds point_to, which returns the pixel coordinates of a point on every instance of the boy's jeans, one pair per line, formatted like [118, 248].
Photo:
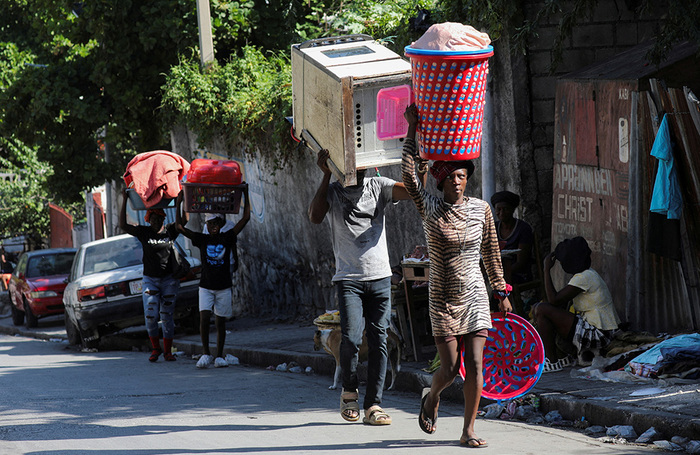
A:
[159, 296]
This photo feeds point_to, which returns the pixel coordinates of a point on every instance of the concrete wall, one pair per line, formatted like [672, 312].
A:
[286, 263]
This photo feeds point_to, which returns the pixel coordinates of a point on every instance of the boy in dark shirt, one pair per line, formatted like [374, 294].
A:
[160, 288]
[215, 283]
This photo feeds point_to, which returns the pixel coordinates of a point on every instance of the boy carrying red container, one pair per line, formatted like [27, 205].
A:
[215, 285]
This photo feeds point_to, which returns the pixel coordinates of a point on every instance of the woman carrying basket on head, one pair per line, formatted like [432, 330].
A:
[460, 231]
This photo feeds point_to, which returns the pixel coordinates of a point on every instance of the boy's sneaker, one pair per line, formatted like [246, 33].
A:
[204, 361]
[231, 359]
[220, 362]
[550, 367]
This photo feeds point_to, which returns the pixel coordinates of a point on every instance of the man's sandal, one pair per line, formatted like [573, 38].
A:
[349, 407]
[375, 415]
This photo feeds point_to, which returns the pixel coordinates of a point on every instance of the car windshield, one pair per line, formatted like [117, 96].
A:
[113, 255]
[49, 265]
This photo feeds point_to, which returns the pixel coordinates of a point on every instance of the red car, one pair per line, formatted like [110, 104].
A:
[37, 283]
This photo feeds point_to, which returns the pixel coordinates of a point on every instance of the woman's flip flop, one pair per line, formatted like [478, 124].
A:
[425, 423]
[474, 443]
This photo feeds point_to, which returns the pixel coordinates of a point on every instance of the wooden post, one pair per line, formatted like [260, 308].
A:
[206, 43]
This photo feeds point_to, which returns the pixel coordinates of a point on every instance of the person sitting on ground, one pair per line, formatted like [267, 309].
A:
[215, 285]
[513, 234]
[595, 321]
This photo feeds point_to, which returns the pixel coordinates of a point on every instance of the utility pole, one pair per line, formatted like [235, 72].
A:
[206, 42]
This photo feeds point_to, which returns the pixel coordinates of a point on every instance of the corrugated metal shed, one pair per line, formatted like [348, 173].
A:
[603, 178]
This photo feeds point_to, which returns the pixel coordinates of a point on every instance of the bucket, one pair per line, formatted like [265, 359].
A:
[449, 88]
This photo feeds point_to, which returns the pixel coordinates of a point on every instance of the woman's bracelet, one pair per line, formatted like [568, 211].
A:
[502, 295]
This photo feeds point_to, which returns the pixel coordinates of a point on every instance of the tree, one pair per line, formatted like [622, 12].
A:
[87, 66]
[24, 207]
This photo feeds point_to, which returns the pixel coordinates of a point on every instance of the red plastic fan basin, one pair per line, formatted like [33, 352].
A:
[513, 358]
[214, 172]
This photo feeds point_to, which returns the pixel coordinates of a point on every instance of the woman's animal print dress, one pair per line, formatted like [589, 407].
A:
[458, 236]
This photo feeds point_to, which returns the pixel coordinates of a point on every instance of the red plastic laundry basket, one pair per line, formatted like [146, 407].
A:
[513, 358]
[449, 89]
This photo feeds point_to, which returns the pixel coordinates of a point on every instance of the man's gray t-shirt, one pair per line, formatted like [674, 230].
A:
[356, 217]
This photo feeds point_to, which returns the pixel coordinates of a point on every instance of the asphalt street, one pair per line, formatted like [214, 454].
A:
[59, 400]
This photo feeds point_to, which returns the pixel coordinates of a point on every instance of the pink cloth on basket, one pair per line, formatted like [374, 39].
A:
[452, 36]
[156, 175]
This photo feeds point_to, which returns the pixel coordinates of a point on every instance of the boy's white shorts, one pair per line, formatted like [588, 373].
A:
[217, 301]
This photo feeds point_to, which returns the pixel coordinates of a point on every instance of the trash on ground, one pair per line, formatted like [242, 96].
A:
[649, 436]
[647, 391]
[622, 431]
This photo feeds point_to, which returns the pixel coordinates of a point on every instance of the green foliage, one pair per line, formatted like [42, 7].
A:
[100, 67]
[24, 206]
[247, 97]
[680, 21]
[244, 99]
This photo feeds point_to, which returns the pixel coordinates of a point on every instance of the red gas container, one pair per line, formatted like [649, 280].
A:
[214, 172]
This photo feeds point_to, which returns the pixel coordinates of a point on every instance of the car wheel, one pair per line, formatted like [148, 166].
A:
[17, 315]
[72, 331]
[30, 320]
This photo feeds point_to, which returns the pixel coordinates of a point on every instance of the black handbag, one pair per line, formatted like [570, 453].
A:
[180, 267]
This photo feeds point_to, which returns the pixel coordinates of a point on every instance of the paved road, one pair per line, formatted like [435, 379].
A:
[57, 400]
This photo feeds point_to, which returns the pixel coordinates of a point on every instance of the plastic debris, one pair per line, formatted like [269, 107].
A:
[649, 436]
[509, 411]
[493, 411]
[693, 447]
[680, 440]
[524, 412]
[647, 391]
[553, 416]
[536, 419]
[622, 431]
[296, 369]
[309, 370]
[595, 430]
[281, 367]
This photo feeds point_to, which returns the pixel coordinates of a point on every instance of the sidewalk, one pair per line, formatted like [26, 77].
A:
[673, 412]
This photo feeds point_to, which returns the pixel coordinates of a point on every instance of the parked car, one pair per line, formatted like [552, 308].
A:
[104, 290]
[36, 284]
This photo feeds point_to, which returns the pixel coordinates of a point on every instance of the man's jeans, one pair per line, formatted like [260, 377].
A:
[371, 299]
[159, 296]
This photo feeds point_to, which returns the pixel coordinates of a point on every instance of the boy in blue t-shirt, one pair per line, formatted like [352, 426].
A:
[215, 284]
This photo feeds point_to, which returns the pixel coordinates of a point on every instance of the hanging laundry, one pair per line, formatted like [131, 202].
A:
[666, 198]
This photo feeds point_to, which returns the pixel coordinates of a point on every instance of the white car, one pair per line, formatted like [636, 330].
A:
[103, 294]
